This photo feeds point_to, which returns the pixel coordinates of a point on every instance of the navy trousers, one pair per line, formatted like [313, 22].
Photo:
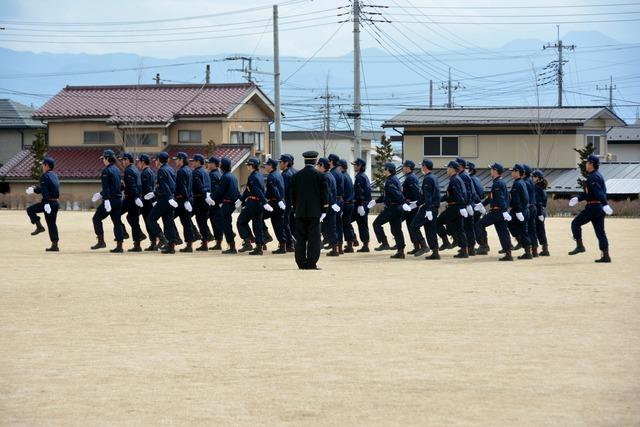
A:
[185, 220]
[224, 222]
[147, 205]
[531, 225]
[393, 216]
[201, 212]
[330, 228]
[347, 218]
[252, 212]
[363, 224]
[51, 218]
[495, 218]
[594, 214]
[132, 210]
[520, 229]
[450, 222]
[415, 235]
[277, 221]
[430, 227]
[541, 232]
[163, 210]
[101, 214]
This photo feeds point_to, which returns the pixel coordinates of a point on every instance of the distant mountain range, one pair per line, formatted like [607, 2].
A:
[393, 80]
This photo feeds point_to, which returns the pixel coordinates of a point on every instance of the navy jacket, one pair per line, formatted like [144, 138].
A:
[148, 180]
[184, 184]
[255, 188]
[431, 191]
[287, 175]
[478, 187]
[498, 199]
[392, 195]
[331, 189]
[166, 185]
[227, 190]
[339, 179]
[349, 191]
[456, 192]
[110, 179]
[275, 187]
[472, 197]
[595, 190]
[49, 187]
[201, 182]
[132, 182]
[411, 188]
[531, 191]
[541, 200]
[519, 196]
[362, 189]
[215, 176]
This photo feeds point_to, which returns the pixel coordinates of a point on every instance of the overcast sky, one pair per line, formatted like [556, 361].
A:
[85, 26]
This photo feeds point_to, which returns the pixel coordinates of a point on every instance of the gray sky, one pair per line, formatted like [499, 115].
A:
[40, 22]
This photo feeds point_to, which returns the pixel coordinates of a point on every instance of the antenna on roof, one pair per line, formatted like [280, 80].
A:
[157, 79]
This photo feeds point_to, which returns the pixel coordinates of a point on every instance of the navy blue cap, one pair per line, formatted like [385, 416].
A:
[163, 156]
[461, 162]
[225, 163]
[527, 169]
[144, 158]
[198, 158]
[253, 161]
[334, 158]
[285, 158]
[214, 160]
[538, 173]
[291, 159]
[428, 163]
[181, 155]
[453, 164]
[359, 161]
[344, 163]
[272, 162]
[390, 166]
[127, 156]
[409, 163]
[310, 155]
[324, 162]
[107, 154]
[471, 165]
[49, 162]
[497, 167]
[594, 159]
[518, 167]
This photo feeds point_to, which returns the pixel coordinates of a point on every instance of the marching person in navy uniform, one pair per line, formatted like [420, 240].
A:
[213, 165]
[531, 220]
[498, 215]
[456, 211]
[276, 198]
[347, 207]
[427, 214]
[132, 200]
[541, 210]
[184, 197]
[478, 208]
[49, 188]
[164, 204]
[520, 210]
[472, 199]
[412, 196]
[201, 190]
[309, 198]
[255, 203]
[287, 171]
[393, 200]
[329, 221]
[111, 205]
[595, 193]
[226, 196]
[336, 171]
[362, 197]
[147, 191]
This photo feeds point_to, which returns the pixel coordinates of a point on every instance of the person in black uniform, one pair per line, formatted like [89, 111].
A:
[456, 210]
[531, 219]
[226, 196]
[472, 199]
[347, 207]
[330, 218]
[275, 196]
[287, 171]
[412, 196]
[201, 190]
[478, 209]
[309, 198]
[393, 199]
[595, 193]
[132, 201]
[541, 210]
[498, 216]
[148, 186]
[520, 209]
[362, 197]
[427, 214]
[49, 188]
[213, 165]
[111, 205]
[336, 171]
[255, 203]
[164, 205]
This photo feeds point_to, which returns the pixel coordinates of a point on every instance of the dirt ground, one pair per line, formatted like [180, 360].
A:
[92, 338]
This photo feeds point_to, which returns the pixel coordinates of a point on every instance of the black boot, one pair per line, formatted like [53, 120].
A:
[232, 249]
[399, 254]
[422, 248]
[101, 244]
[445, 243]
[136, 247]
[472, 251]
[257, 250]
[527, 253]
[152, 246]
[267, 237]
[434, 254]
[203, 247]
[579, 248]
[545, 250]
[507, 256]
[125, 235]
[39, 229]
[364, 248]
[118, 249]
[334, 251]
[169, 249]
[349, 248]
[217, 246]
[384, 246]
[462, 254]
[143, 237]
[196, 234]
[291, 248]
[518, 247]
[162, 241]
[282, 249]
[483, 250]
[355, 243]
[246, 246]
[188, 248]
[605, 256]
[534, 251]
[54, 247]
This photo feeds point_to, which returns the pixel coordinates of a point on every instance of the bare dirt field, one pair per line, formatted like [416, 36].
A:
[92, 338]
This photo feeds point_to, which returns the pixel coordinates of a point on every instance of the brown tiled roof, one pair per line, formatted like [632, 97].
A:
[84, 162]
[145, 103]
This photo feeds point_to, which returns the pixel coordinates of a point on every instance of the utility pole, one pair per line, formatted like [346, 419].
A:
[277, 148]
[357, 126]
[157, 79]
[430, 93]
[326, 118]
[610, 88]
[560, 63]
[246, 66]
[449, 87]
[207, 74]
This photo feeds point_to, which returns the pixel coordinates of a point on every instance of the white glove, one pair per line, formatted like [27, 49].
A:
[481, 209]
[322, 217]
[153, 204]
[573, 201]
[29, 190]
[464, 212]
[607, 209]
[520, 216]
[335, 207]
[371, 204]
[267, 207]
[47, 208]
[406, 208]
[96, 197]
[173, 203]
[281, 205]
[238, 203]
[361, 211]
[413, 205]
[139, 203]
[429, 215]
[478, 207]
[506, 216]
[107, 206]
[187, 206]
[541, 218]
[150, 195]
[469, 210]
[209, 200]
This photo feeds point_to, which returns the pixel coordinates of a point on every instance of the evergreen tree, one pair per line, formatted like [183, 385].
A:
[384, 153]
[585, 152]
[38, 150]
[211, 148]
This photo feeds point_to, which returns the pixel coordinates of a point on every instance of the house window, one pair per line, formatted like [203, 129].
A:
[141, 139]
[190, 136]
[250, 138]
[444, 146]
[99, 137]
[595, 141]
